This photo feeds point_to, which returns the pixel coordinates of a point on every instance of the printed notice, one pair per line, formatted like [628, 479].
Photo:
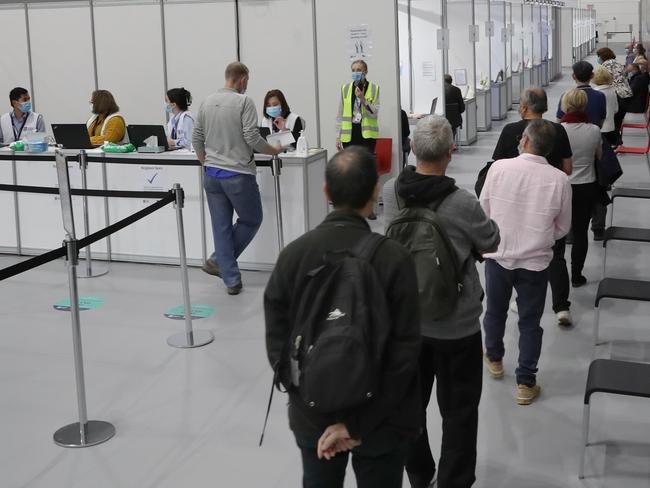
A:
[359, 42]
[154, 178]
[428, 70]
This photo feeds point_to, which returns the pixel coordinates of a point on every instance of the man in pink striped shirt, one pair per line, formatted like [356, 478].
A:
[530, 201]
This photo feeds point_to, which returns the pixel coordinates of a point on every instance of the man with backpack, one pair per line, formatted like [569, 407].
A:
[530, 200]
[343, 337]
[446, 230]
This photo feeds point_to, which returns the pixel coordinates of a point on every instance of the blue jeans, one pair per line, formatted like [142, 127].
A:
[531, 297]
[225, 195]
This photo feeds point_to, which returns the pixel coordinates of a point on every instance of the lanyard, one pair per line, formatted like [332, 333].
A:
[175, 125]
[20, 131]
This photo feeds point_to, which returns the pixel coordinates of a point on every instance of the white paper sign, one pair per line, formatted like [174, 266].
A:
[460, 77]
[359, 42]
[154, 178]
[428, 70]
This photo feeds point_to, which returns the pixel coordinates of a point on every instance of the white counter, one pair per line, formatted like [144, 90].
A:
[154, 238]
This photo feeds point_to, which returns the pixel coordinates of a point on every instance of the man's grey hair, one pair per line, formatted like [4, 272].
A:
[432, 139]
[535, 99]
[541, 135]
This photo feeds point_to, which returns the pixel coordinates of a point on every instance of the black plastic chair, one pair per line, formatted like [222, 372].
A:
[642, 193]
[622, 290]
[616, 378]
[629, 234]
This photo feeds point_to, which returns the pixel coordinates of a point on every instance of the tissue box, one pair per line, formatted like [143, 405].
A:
[154, 149]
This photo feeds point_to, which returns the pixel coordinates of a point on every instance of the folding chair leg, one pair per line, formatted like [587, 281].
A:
[596, 324]
[604, 261]
[585, 439]
[611, 215]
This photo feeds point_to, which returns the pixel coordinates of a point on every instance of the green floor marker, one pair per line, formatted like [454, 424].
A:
[85, 303]
[199, 311]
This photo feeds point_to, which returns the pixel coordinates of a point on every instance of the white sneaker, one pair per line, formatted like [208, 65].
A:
[564, 318]
[513, 306]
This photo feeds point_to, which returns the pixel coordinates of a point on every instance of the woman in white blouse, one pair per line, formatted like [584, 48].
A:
[586, 145]
[181, 121]
[602, 82]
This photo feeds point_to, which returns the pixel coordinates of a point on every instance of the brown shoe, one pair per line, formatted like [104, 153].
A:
[211, 268]
[526, 394]
[495, 368]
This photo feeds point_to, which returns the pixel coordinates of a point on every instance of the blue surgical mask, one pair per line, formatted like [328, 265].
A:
[274, 111]
[600, 60]
[357, 76]
[26, 107]
[168, 108]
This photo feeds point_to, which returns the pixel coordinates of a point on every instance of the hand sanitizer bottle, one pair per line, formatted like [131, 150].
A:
[301, 145]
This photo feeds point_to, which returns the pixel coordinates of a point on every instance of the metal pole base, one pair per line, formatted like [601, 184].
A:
[197, 338]
[97, 431]
[95, 273]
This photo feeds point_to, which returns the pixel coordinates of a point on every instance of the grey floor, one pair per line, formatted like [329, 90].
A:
[193, 417]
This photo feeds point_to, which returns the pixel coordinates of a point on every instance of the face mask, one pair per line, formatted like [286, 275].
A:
[357, 76]
[274, 111]
[600, 60]
[26, 107]
[520, 147]
[168, 108]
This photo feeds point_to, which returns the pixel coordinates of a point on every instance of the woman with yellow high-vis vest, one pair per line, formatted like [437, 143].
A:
[357, 120]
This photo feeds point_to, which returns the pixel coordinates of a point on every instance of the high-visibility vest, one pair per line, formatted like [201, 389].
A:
[369, 123]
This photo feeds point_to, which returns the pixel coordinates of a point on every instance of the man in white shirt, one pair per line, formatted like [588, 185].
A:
[20, 121]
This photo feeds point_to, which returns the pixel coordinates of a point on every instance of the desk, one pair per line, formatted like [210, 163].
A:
[153, 240]
[483, 110]
[468, 131]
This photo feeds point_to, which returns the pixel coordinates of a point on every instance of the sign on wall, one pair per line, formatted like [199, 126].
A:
[359, 42]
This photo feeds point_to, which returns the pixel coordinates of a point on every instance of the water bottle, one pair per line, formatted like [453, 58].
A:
[301, 145]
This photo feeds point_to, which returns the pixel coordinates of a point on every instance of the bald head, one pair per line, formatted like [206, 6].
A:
[351, 178]
[534, 100]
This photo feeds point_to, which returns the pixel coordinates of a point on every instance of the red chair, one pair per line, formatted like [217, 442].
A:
[635, 150]
[384, 155]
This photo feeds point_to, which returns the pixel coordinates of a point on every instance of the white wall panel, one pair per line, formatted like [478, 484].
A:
[277, 45]
[129, 57]
[14, 65]
[197, 56]
[62, 60]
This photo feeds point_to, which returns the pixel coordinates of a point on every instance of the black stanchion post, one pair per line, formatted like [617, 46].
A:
[83, 166]
[190, 338]
[276, 170]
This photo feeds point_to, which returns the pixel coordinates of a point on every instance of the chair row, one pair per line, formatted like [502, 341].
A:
[608, 375]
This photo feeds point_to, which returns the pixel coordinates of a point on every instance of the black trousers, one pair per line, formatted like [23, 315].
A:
[558, 277]
[457, 366]
[598, 217]
[618, 119]
[583, 201]
[373, 466]
[358, 140]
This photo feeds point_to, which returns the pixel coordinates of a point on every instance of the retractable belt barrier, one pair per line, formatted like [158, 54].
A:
[85, 432]
[166, 198]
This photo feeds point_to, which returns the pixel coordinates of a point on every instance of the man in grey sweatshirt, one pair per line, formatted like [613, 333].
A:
[452, 347]
[225, 137]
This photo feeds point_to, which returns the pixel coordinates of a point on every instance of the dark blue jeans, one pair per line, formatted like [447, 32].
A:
[531, 297]
[375, 465]
[227, 195]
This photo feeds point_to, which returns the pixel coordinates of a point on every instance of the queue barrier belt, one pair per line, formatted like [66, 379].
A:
[90, 193]
[168, 197]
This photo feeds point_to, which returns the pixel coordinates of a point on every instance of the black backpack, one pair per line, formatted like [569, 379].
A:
[339, 330]
[439, 279]
[480, 178]
[334, 352]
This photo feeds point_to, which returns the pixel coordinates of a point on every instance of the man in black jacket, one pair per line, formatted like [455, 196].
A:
[532, 106]
[454, 103]
[639, 80]
[378, 432]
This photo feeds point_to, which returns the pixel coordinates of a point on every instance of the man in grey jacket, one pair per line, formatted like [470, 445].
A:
[225, 137]
[452, 348]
